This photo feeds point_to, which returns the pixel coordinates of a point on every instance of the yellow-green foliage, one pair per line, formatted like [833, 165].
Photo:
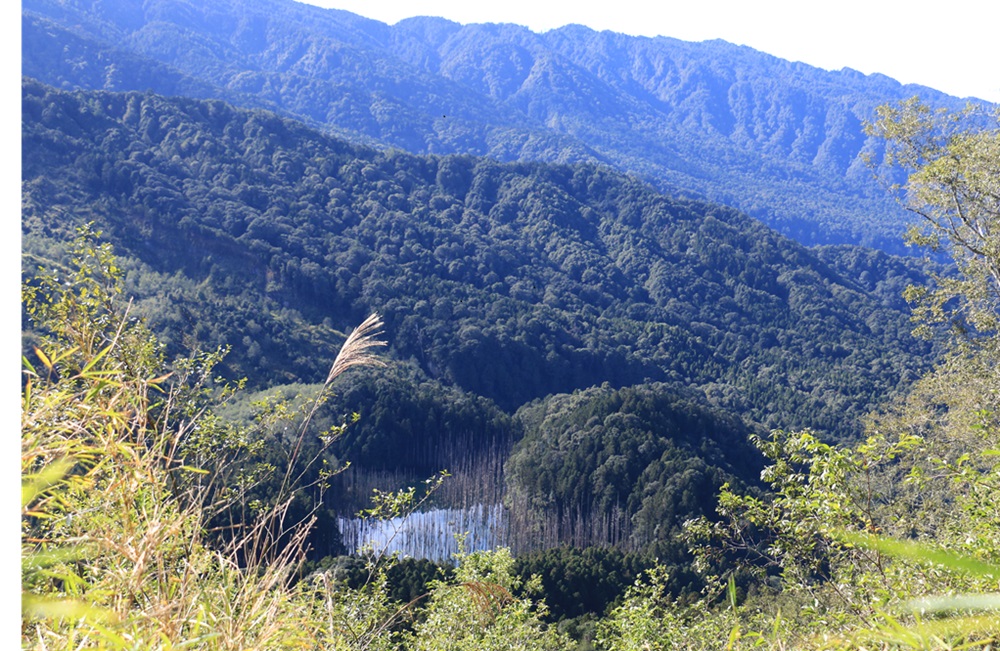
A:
[836, 565]
[114, 550]
[478, 611]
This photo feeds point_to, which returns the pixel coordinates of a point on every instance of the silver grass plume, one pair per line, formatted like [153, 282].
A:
[356, 350]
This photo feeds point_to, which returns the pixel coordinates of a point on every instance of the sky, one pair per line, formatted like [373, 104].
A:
[948, 45]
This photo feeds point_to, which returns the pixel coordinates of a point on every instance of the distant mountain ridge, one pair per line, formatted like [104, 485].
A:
[781, 141]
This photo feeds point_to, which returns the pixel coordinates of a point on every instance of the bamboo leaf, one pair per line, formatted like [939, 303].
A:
[914, 551]
[965, 602]
[38, 607]
[63, 355]
[98, 357]
[50, 475]
[51, 557]
[43, 357]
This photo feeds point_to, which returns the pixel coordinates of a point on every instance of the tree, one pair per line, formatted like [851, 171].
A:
[952, 163]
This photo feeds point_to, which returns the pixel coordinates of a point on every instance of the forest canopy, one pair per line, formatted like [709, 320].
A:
[508, 281]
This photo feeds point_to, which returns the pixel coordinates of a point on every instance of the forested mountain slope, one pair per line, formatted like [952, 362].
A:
[781, 141]
[509, 281]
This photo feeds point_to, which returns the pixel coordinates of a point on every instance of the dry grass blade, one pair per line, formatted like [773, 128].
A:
[489, 598]
[357, 347]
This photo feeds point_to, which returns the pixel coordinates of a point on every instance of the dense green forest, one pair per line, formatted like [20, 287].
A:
[623, 467]
[509, 281]
[131, 461]
[780, 141]
[499, 284]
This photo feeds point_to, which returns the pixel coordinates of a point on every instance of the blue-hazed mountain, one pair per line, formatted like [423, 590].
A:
[511, 281]
[781, 141]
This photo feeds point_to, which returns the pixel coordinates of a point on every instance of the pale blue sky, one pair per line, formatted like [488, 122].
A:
[948, 45]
